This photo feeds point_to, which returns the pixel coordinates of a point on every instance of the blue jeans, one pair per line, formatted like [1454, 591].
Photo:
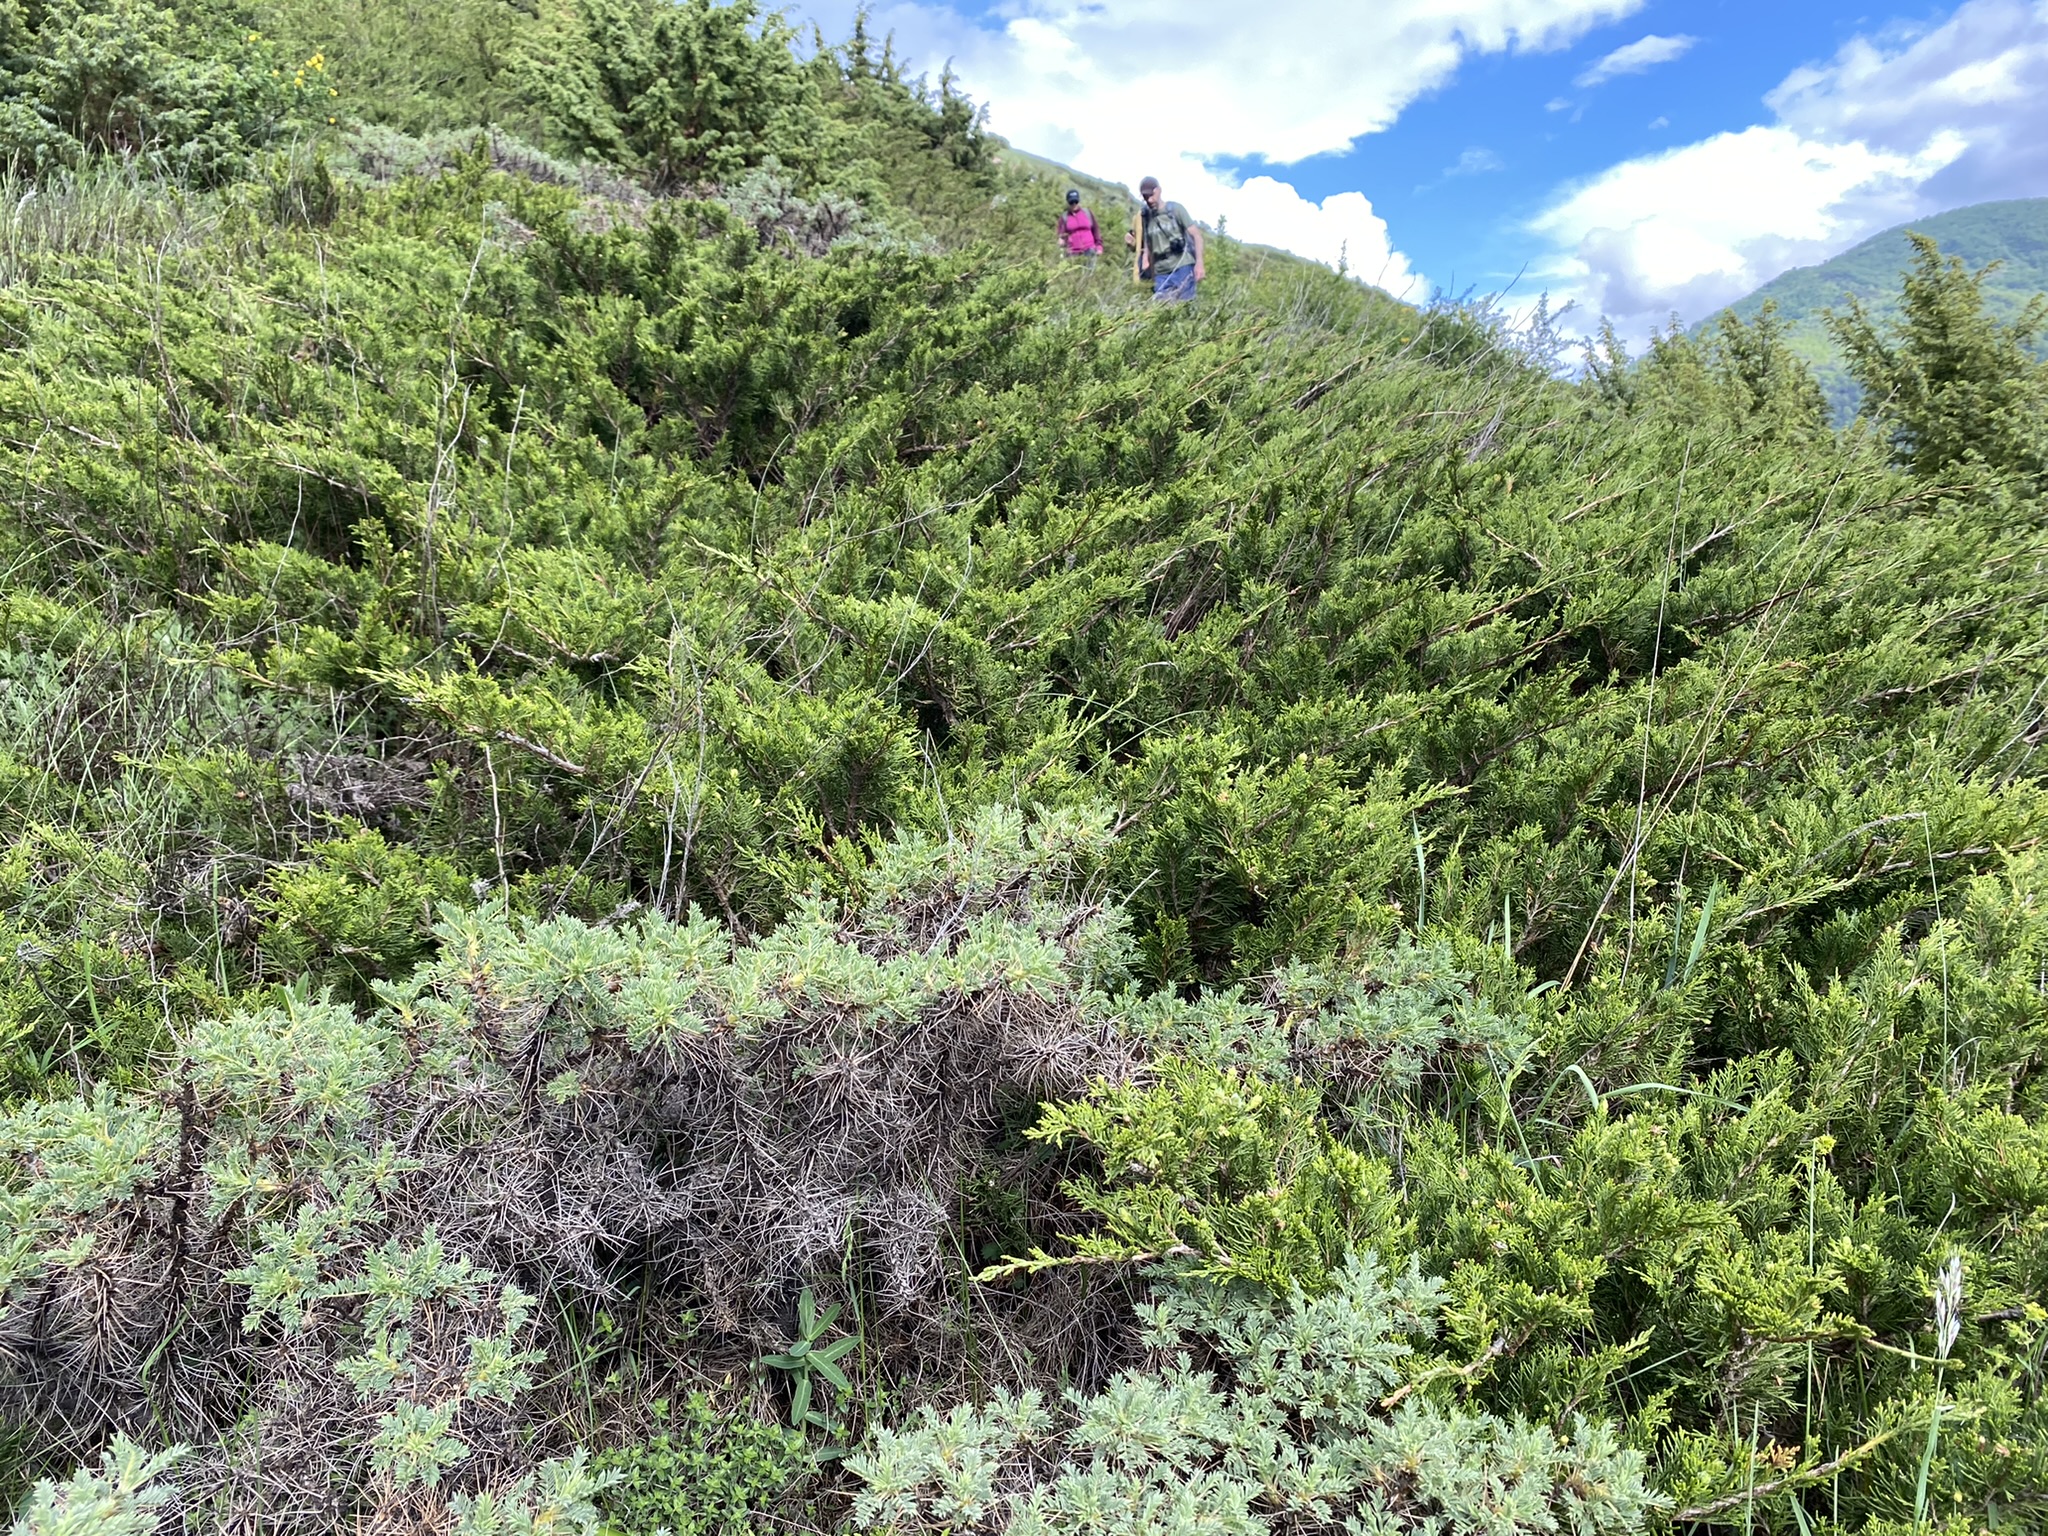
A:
[1175, 287]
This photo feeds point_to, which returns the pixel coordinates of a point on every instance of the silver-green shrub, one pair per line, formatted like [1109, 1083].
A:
[122, 1498]
[315, 1253]
[1261, 1414]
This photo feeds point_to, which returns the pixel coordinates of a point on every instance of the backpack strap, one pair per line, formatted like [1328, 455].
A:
[1166, 211]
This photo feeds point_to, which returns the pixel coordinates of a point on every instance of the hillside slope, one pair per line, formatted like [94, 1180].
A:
[2013, 234]
[1264, 268]
[689, 843]
[1113, 203]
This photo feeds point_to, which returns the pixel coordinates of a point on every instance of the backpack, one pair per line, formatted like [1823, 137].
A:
[1165, 233]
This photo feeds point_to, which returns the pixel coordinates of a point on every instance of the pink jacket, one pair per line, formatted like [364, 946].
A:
[1077, 228]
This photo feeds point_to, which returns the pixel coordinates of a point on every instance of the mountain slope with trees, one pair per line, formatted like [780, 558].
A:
[687, 843]
[2013, 234]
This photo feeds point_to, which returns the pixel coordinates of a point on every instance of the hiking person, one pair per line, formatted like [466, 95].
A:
[1169, 246]
[1078, 233]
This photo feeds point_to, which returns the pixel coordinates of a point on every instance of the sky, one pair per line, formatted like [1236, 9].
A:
[1641, 159]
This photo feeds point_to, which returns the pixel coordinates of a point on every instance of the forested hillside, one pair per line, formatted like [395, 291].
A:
[689, 844]
[2009, 237]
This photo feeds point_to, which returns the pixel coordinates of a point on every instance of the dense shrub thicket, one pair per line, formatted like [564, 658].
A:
[653, 786]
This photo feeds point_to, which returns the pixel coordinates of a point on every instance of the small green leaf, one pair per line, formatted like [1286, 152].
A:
[800, 1401]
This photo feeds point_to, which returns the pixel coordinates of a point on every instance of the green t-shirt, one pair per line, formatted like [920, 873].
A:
[1163, 230]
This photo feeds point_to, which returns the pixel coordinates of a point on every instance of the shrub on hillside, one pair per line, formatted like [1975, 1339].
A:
[191, 89]
[1953, 390]
[1609, 815]
[685, 93]
[315, 1253]
[1295, 1420]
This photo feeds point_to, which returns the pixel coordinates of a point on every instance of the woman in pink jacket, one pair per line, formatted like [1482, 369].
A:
[1077, 231]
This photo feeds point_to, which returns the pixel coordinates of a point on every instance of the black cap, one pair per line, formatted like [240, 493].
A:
[1073, 194]
[1149, 184]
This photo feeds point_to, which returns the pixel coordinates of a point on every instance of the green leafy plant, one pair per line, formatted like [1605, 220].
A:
[812, 1360]
[123, 1497]
[1230, 1175]
[706, 1470]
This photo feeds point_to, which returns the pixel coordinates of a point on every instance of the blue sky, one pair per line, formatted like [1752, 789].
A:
[1457, 143]
[1464, 168]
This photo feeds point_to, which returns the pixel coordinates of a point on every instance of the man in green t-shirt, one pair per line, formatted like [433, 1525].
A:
[1169, 246]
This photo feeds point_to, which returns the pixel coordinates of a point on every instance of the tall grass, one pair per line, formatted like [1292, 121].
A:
[112, 209]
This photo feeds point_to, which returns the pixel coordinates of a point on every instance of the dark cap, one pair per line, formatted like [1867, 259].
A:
[1073, 194]
[1149, 184]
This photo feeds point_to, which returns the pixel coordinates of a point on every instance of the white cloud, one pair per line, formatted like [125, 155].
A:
[1476, 162]
[1341, 228]
[1694, 228]
[1982, 74]
[1907, 123]
[1165, 87]
[1634, 58]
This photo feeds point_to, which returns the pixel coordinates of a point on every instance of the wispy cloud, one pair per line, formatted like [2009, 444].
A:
[1633, 58]
[1476, 162]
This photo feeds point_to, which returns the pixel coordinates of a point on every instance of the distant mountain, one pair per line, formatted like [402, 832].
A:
[2013, 233]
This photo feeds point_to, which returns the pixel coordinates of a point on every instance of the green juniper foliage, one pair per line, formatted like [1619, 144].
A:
[192, 90]
[1952, 388]
[682, 93]
[618, 708]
